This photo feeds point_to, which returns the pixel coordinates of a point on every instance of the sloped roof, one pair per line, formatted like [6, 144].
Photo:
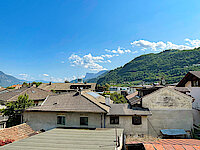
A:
[188, 77]
[124, 110]
[134, 100]
[130, 96]
[182, 89]
[63, 86]
[99, 100]
[17, 132]
[196, 73]
[33, 92]
[69, 102]
[170, 144]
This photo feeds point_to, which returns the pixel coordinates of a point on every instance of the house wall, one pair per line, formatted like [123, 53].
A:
[48, 120]
[195, 92]
[196, 117]
[170, 110]
[125, 122]
[169, 119]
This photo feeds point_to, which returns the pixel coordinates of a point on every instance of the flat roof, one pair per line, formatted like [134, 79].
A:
[68, 139]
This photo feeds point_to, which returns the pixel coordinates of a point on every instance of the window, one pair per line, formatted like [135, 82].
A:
[195, 83]
[136, 120]
[84, 121]
[61, 120]
[114, 119]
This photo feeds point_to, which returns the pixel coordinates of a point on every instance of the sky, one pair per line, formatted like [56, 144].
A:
[57, 40]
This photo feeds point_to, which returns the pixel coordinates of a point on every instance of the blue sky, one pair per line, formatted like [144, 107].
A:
[63, 39]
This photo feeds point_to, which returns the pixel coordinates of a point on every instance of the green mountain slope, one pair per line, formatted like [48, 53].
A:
[170, 64]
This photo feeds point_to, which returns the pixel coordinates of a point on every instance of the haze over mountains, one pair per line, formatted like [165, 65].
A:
[7, 80]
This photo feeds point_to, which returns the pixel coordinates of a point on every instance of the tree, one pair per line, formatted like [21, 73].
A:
[107, 87]
[15, 109]
[36, 83]
[117, 98]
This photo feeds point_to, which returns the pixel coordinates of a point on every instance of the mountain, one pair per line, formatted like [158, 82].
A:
[90, 76]
[94, 75]
[170, 64]
[8, 80]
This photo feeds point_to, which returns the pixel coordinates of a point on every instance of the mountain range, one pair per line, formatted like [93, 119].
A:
[171, 65]
[7, 80]
[91, 77]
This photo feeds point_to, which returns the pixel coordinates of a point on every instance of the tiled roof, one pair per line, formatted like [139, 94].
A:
[188, 77]
[69, 102]
[196, 73]
[124, 110]
[33, 93]
[16, 133]
[100, 100]
[132, 95]
[63, 86]
[182, 89]
[170, 144]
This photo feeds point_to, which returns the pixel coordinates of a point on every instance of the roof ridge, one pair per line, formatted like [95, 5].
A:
[94, 103]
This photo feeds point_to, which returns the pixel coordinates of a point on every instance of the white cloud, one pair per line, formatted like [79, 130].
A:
[62, 62]
[46, 75]
[54, 79]
[160, 45]
[120, 50]
[108, 56]
[24, 76]
[88, 61]
[194, 43]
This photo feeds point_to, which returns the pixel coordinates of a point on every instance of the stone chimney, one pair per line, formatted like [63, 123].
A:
[107, 99]
[50, 83]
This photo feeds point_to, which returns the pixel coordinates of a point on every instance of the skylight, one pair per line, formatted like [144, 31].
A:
[95, 95]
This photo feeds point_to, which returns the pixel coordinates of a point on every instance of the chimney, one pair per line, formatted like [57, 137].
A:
[49, 83]
[107, 99]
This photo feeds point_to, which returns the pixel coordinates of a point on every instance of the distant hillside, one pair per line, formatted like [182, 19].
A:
[7, 80]
[170, 64]
[90, 76]
[94, 75]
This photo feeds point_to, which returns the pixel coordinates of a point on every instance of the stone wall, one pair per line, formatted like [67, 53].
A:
[170, 110]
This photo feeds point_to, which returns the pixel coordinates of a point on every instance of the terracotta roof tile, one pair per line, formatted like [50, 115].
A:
[149, 147]
[196, 147]
[178, 147]
[158, 146]
[171, 144]
[168, 147]
[17, 132]
[132, 95]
